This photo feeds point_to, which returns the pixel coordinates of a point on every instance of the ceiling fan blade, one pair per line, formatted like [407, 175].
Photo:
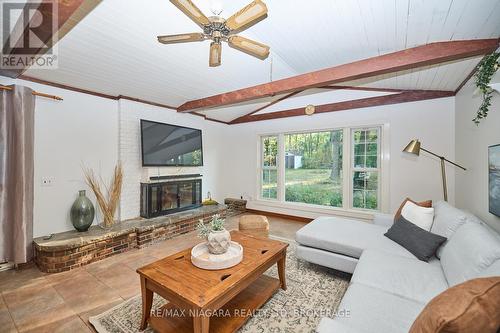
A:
[215, 54]
[247, 16]
[190, 9]
[181, 38]
[249, 46]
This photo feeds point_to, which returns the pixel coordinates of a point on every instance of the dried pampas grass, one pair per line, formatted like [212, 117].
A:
[108, 202]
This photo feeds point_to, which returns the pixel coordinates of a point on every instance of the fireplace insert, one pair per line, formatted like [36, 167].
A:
[168, 197]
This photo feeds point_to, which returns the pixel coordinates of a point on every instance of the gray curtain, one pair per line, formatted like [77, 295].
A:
[17, 111]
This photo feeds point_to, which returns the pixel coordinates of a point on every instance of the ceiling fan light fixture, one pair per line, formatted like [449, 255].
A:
[215, 54]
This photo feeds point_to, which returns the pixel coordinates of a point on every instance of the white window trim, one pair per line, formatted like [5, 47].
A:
[345, 210]
[354, 169]
[261, 167]
[346, 161]
[281, 171]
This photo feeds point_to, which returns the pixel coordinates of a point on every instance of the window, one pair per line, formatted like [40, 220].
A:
[365, 168]
[269, 176]
[313, 168]
[338, 168]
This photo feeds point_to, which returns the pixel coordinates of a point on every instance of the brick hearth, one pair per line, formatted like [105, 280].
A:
[72, 249]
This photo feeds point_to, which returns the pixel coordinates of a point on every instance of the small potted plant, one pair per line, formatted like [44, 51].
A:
[218, 238]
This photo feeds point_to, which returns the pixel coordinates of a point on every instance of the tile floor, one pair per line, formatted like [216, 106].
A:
[32, 301]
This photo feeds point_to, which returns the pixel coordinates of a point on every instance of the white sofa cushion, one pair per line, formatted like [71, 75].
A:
[372, 310]
[493, 270]
[326, 258]
[347, 237]
[386, 220]
[329, 325]
[420, 216]
[469, 252]
[447, 219]
[406, 277]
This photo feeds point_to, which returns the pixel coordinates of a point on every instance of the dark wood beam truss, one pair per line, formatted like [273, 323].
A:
[396, 98]
[425, 55]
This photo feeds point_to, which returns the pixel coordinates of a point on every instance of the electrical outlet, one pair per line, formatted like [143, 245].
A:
[47, 181]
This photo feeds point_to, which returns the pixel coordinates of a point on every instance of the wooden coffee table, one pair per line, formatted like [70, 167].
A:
[205, 301]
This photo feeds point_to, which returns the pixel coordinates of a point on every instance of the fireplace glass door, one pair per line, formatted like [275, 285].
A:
[169, 197]
[186, 194]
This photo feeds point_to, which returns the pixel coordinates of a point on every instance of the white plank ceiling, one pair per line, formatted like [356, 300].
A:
[114, 49]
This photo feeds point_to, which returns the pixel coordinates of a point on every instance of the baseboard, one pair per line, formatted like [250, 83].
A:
[6, 266]
[285, 216]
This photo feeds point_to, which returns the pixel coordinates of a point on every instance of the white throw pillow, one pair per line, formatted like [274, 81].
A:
[420, 216]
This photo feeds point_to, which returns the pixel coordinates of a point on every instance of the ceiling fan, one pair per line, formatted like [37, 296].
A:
[218, 30]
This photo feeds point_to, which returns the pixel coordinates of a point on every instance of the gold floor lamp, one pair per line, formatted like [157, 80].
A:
[414, 148]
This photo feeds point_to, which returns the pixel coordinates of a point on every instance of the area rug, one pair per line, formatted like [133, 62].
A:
[312, 292]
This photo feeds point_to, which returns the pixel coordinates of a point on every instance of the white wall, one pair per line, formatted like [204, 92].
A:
[130, 152]
[472, 150]
[96, 132]
[431, 121]
[81, 130]
[85, 130]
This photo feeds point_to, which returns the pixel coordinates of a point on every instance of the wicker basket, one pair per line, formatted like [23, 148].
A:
[255, 225]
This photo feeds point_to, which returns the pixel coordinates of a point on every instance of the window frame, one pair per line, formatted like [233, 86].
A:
[262, 167]
[354, 169]
[383, 162]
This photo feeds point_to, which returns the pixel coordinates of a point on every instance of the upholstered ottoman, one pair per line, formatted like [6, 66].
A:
[255, 225]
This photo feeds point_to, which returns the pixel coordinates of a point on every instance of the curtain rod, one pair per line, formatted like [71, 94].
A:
[57, 98]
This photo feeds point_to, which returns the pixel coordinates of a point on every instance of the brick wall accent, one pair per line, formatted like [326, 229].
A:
[64, 260]
[235, 206]
[148, 237]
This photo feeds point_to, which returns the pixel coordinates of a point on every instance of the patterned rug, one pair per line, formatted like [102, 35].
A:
[312, 292]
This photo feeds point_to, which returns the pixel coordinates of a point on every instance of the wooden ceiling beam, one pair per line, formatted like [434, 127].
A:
[337, 87]
[402, 97]
[208, 118]
[244, 117]
[266, 106]
[69, 14]
[425, 55]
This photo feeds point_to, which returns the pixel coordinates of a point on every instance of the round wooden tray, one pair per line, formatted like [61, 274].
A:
[200, 257]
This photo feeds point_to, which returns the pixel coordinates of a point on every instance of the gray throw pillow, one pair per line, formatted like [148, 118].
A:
[421, 243]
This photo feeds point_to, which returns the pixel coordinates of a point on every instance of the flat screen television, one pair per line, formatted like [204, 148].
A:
[170, 145]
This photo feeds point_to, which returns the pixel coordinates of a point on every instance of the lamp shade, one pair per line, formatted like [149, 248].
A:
[413, 147]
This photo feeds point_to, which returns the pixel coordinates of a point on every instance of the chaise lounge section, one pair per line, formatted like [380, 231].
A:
[390, 286]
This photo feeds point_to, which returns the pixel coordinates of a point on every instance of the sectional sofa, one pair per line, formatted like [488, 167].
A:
[390, 286]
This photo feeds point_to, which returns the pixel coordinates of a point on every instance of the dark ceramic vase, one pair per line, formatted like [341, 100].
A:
[82, 212]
